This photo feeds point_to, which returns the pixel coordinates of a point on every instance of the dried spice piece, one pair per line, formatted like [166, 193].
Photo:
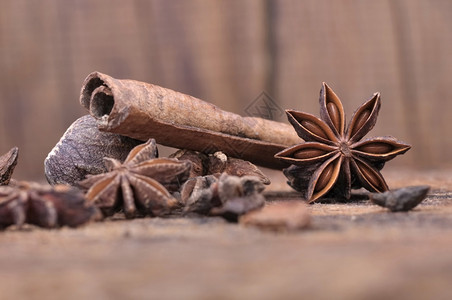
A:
[279, 216]
[81, 151]
[44, 206]
[227, 196]
[334, 157]
[142, 111]
[8, 162]
[200, 194]
[198, 161]
[141, 184]
[218, 163]
[403, 199]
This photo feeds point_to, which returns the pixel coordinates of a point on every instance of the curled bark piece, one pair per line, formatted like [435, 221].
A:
[8, 162]
[142, 111]
[403, 199]
[81, 150]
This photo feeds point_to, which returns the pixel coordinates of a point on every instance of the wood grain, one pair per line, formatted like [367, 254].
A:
[228, 53]
[351, 251]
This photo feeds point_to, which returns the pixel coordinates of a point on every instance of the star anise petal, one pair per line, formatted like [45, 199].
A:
[128, 198]
[142, 152]
[111, 163]
[363, 119]
[345, 177]
[12, 203]
[103, 189]
[170, 172]
[331, 110]
[379, 148]
[308, 152]
[324, 178]
[370, 178]
[310, 128]
[152, 196]
[45, 212]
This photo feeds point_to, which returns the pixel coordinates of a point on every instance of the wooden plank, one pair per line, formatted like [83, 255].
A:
[351, 251]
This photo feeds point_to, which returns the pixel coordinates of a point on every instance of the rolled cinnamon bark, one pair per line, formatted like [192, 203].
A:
[141, 111]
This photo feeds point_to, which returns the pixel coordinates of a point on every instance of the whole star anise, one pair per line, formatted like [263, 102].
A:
[140, 184]
[332, 159]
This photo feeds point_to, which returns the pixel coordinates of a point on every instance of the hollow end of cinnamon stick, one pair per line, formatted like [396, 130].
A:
[96, 96]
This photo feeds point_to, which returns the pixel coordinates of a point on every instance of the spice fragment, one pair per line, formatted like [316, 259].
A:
[227, 196]
[44, 206]
[279, 216]
[403, 199]
[218, 163]
[8, 162]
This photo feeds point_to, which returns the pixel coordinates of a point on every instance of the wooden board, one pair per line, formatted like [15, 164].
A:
[351, 251]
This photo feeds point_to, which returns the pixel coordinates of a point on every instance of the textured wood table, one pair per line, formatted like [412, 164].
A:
[351, 251]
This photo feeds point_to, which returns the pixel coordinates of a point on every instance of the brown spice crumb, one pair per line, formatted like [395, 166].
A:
[279, 216]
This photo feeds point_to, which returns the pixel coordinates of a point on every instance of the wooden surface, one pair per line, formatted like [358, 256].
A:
[228, 52]
[351, 251]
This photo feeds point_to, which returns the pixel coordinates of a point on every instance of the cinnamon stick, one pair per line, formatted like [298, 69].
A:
[140, 110]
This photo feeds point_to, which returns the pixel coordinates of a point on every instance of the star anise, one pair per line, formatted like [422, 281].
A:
[44, 206]
[141, 184]
[333, 159]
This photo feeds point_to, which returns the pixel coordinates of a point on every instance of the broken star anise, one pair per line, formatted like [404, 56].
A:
[227, 196]
[332, 160]
[141, 184]
[44, 206]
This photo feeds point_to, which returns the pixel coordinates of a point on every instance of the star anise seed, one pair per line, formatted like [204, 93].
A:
[142, 184]
[334, 159]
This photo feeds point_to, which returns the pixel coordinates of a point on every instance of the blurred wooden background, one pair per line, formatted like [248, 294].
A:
[228, 52]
